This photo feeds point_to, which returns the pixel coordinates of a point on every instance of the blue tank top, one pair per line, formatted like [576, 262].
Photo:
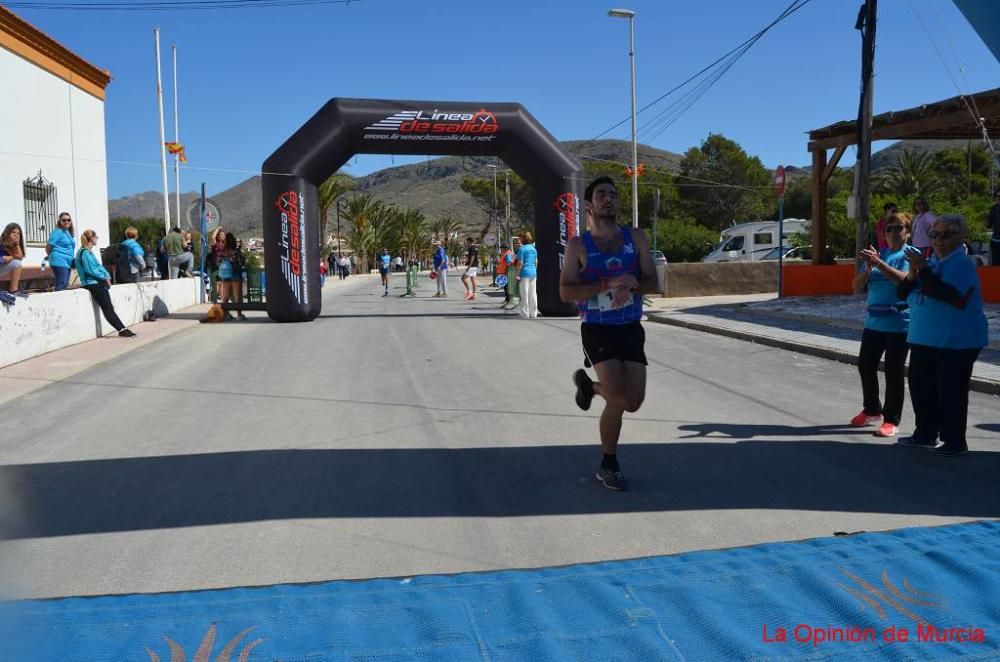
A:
[598, 309]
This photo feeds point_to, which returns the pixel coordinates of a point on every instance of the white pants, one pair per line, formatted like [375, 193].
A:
[442, 281]
[529, 298]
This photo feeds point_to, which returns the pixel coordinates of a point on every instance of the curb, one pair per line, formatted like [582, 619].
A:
[976, 384]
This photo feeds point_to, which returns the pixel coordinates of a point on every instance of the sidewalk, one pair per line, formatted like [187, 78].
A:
[828, 327]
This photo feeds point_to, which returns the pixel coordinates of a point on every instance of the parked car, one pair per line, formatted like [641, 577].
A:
[979, 251]
[748, 242]
[658, 258]
[791, 253]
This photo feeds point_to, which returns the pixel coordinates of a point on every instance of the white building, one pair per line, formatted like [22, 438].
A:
[52, 149]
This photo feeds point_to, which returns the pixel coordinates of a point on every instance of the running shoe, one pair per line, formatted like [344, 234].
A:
[863, 419]
[127, 333]
[886, 430]
[915, 442]
[386, 293]
[584, 389]
[21, 293]
[241, 317]
[951, 450]
[7, 298]
[468, 295]
[613, 479]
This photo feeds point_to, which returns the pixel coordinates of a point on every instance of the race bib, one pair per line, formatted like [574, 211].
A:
[604, 302]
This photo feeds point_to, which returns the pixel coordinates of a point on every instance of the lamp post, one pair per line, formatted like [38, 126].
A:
[496, 221]
[630, 15]
[340, 238]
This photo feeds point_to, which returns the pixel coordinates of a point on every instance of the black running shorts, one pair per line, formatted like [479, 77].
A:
[624, 342]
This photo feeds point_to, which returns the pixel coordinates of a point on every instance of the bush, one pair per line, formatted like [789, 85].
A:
[684, 240]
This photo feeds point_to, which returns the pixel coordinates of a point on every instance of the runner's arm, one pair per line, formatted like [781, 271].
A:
[648, 281]
[570, 289]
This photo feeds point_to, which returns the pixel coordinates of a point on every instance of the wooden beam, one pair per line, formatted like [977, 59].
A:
[818, 206]
[832, 165]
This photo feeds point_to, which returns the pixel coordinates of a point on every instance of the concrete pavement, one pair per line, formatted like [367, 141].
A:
[393, 437]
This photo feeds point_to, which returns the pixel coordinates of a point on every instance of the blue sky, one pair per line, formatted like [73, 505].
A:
[249, 78]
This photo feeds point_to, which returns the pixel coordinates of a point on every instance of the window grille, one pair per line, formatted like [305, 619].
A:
[41, 208]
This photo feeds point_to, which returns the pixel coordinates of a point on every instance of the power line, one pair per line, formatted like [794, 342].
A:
[739, 50]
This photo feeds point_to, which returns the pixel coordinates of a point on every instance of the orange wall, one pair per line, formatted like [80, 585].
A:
[817, 279]
[820, 279]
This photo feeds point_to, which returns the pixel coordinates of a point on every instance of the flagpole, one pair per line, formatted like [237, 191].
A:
[163, 139]
[177, 139]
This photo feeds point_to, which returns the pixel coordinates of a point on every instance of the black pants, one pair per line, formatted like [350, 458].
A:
[939, 390]
[995, 252]
[103, 299]
[873, 345]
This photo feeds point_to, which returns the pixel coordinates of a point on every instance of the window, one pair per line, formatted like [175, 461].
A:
[41, 208]
[734, 244]
[763, 238]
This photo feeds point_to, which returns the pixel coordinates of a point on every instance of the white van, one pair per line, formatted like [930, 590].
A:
[749, 242]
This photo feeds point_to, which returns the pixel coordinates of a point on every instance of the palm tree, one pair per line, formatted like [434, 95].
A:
[326, 195]
[362, 213]
[413, 232]
[913, 174]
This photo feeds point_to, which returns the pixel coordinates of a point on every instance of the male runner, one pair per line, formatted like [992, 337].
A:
[606, 272]
[383, 269]
[471, 268]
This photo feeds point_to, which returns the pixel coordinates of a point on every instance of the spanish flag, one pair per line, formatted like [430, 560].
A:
[178, 149]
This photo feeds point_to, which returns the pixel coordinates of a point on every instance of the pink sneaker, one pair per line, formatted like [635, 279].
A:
[886, 430]
[863, 419]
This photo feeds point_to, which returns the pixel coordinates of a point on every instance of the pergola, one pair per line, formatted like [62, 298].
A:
[949, 119]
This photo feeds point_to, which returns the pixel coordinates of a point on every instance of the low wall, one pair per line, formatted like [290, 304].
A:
[48, 321]
[697, 279]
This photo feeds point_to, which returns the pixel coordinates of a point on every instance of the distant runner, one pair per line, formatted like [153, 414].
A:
[607, 270]
[383, 270]
[471, 268]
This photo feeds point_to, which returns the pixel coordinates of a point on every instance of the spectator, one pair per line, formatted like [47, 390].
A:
[923, 220]
[503, 266]
[886, 323]
[332, 263]
[440, 269]
[136, 256]
[322, 273]
[60, 248]
[343, 264]
[993, 223]
[889, 209]
[179, 258]
[162, 258]
[948, 329]
[11, 256]
[96, 280]
[214, 258]
[399, 263]
[527, 256]
[231, 272]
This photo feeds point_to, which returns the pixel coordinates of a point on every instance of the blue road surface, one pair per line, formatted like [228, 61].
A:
[711, 605]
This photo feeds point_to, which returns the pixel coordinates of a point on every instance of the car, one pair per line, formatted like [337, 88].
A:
[658, 258]
[791, 253]
[979, 251]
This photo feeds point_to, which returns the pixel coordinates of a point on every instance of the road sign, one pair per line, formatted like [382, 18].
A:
[779, 181]
[501, 280]
[490, 240]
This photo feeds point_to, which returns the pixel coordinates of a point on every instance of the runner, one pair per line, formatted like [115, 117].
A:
[607, 270]
[383, 269]
[471, 268]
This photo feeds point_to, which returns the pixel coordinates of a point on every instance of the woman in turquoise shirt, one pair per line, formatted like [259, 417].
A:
[60, 248]
[948, 329]
[527, 256]
[96, 279]
[886, 323]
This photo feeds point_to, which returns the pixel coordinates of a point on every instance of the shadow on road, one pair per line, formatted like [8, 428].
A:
[135, 494]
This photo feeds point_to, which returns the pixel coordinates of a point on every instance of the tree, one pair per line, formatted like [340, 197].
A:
[326, 195]
[522, 200]
[722, 183]
[413, 233]
[913, 174]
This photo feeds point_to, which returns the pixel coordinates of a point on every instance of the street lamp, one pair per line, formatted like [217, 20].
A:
[496, 221]
[630, 15]
[340, 238]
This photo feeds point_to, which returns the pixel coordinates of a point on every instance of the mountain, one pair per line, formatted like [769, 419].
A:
[433, 187]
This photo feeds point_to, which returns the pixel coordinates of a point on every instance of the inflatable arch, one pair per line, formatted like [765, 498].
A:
[345, 127]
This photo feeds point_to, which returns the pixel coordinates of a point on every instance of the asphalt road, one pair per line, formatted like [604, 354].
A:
[393, 437]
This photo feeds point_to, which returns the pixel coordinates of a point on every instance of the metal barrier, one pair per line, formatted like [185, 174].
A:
[513, 272]
[411, 281]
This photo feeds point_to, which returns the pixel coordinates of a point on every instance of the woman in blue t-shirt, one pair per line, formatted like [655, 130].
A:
[948, 329]
[527, 257]
[886, 324]
[60, 248]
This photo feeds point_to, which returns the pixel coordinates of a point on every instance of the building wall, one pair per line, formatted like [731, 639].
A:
[48, 124]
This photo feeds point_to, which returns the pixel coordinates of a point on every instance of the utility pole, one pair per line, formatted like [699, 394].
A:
[506, 184]
[862, 172]
[340, 239]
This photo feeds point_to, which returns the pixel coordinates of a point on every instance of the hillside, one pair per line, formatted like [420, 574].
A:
[434, 187]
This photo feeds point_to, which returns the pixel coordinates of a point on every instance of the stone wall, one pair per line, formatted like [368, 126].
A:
[698, 279]
[49, 321]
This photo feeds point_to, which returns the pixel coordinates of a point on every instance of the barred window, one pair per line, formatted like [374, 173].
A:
[41, 208]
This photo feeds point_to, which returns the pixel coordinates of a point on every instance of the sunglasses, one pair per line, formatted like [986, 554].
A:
[65, 220]
[946, 234]
[893, 228]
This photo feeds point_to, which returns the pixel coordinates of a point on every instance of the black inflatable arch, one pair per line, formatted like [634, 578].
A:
[345, 127]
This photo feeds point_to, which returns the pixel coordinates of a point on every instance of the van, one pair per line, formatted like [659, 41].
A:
[750, 242]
